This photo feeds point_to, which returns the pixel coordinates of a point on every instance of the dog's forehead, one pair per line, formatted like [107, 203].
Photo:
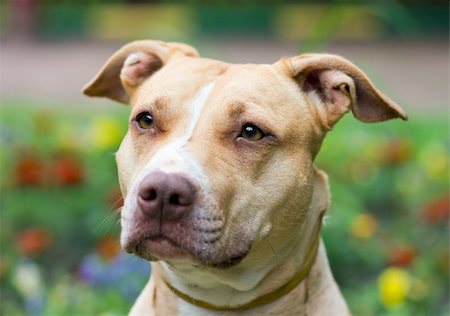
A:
[182, 79]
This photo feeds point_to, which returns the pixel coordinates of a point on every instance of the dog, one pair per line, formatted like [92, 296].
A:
[217, 171]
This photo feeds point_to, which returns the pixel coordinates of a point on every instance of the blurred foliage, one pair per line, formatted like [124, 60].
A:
[309, 20]
[386, 231]
[390, 207]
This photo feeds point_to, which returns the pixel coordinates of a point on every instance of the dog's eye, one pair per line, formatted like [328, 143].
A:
[144, 120]
[252, 132]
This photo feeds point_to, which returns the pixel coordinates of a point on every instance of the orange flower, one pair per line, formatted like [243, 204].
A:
[68, 170]
[33, 241]
[402, 255]
[108, 247]
[28, 171]
[437, 210]
[396, 152]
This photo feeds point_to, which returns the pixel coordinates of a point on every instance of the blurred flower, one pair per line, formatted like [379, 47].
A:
[27, 279]
[28, 171]
[70, 138]
[125, 272]
[434, 158]
[43, 121]
[68, 170]
[395, 152]
[402, 255]
[363, 226]
[363, 171]
[108, 247]
[106, 133]
[91, 269]
[393, 286]
[437, 210]
[33, 240]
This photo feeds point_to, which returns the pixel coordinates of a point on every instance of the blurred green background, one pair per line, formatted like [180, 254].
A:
[387, 228]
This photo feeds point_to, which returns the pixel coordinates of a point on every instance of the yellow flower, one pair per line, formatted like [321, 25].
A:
[68, 138]
[106, 133]
[435, 161]
[393, 286]
[364, 226]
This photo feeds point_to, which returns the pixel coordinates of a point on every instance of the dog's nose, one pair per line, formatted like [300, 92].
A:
[166, 196]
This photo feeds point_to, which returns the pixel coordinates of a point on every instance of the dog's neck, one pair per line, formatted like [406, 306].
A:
[267, 298]
[306, 299]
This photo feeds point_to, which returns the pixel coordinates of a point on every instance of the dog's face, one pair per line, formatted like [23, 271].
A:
[217, 164]
[231, 133]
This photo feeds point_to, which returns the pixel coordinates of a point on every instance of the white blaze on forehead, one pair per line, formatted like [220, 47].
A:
[197, 107]
[172, 157]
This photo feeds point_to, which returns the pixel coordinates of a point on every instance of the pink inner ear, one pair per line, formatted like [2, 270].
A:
[139, 66]
[312, 83]
[326, 84]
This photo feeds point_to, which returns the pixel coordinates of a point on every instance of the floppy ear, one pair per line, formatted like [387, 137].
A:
[336, 86]
[131, 65]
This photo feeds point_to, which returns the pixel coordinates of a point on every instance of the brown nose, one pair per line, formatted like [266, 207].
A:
[166, 196]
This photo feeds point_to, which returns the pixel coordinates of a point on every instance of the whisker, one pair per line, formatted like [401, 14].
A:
[108, 219]
[118, 203]
[273, 251]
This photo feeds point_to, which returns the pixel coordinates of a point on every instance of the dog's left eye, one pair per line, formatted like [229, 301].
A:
[252, 132]
[144, 120]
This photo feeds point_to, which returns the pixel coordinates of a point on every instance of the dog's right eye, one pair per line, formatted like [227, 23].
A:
[252, 133]
[144, 120]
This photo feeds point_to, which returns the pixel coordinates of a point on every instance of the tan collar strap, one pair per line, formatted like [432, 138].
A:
[269, 297]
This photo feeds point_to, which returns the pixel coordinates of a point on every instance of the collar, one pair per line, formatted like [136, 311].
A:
[268, 298]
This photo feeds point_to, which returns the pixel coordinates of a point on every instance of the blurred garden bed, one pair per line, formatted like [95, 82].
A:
[386, 232]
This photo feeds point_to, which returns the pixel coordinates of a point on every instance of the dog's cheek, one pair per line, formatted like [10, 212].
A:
[125, 160]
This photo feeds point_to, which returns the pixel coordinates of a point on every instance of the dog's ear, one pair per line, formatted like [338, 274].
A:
[126, 69]
[336, 86]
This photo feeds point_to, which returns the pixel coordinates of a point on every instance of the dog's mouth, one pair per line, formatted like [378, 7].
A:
[154, 247]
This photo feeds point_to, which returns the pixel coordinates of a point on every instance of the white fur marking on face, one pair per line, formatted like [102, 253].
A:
[171, 158]
[197, 107]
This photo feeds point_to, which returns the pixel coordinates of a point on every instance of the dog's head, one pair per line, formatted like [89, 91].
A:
[217, 164]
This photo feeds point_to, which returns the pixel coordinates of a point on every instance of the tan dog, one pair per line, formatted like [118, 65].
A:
[217, 172]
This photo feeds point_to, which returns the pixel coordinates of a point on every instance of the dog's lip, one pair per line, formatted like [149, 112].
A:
[174, 250]
[160, 246]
